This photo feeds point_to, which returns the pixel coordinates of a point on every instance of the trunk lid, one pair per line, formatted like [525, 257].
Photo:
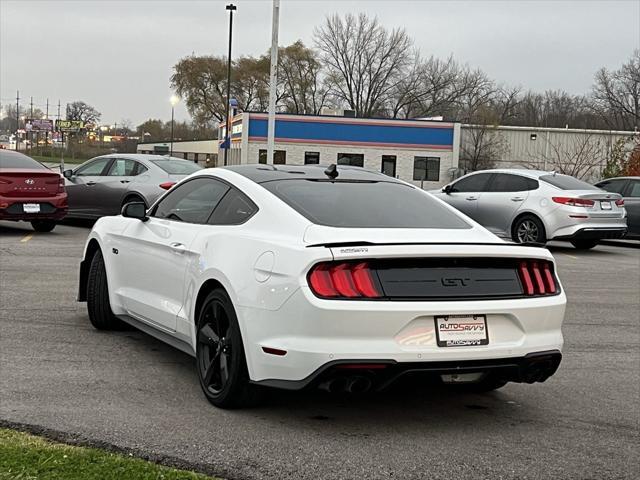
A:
[604, 203]
[28, 183]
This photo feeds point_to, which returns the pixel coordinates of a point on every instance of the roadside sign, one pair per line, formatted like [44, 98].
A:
[69, 125]
[38, 125]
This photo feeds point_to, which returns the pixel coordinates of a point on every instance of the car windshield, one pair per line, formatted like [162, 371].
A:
[9, 159]
[176, 166]
[566, 182]
[364, 204]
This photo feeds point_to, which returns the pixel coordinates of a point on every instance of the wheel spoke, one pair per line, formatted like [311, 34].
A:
[207, 336]
[224, 368]
[210, 372]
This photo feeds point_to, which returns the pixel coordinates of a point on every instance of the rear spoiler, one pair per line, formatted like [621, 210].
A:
[369, 244]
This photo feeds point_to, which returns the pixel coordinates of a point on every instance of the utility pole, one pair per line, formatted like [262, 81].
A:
[227, 138]
[17, 118]
[273, 80]
[30, 132]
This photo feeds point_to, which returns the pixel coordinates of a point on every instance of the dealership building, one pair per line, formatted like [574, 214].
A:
[424, 152]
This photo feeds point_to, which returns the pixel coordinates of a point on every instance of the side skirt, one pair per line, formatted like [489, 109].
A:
[162, 336]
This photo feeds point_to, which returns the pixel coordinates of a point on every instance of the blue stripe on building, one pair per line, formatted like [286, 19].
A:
[353, 132]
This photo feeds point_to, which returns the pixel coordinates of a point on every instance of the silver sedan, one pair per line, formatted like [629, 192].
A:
[102, 185]
[531, 206]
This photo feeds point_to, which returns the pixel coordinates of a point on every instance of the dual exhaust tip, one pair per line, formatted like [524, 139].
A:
[354, 384]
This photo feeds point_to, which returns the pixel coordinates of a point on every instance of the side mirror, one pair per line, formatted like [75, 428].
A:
[135, 210]
[447, 189]
[67, 173]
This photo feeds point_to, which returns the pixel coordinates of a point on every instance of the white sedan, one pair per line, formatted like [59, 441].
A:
[344, 279]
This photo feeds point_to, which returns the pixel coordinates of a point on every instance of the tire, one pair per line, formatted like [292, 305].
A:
[488, 383]
[220, 358]
[528, 229]
[100, 314]
[584, 244]
[43, 226]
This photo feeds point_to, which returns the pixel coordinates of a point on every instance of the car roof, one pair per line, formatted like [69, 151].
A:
[142, 156]
[521, 171]
[260, 173]
[619, 178]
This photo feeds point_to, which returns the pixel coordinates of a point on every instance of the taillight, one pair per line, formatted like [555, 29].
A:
[167, 185]
[537, 277]
[343, 280]
[61, 185]
[574, 202]
[620, 202]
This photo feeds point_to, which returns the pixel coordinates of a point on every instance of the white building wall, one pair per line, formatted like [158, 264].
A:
[372, 158]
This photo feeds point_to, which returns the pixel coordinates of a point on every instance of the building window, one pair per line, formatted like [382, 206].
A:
[389, 165]
[426, 168]
[279, 157]
[353, 159]
[311, 158]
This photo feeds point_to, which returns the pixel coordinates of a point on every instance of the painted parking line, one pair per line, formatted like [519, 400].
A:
[570, 256]
[26, 238]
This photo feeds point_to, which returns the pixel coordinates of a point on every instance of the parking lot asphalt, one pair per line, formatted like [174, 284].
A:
[129, 391]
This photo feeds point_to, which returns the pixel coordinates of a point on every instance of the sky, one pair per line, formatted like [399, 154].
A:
[118, 55]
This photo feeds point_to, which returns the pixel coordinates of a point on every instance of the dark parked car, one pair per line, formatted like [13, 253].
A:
[101, 186]
[30, 192]
[629, 188]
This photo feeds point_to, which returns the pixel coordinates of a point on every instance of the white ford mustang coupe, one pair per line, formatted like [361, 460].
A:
[339, 278]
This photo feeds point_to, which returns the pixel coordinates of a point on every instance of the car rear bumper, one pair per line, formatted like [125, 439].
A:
[589, 233]
[316, 333]
[531, 368]
[51, 208]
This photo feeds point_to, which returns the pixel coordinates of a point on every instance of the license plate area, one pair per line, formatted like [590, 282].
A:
[461, 330]
[31, 207]
[605, 205]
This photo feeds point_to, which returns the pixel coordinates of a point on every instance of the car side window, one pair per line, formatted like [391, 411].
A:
[140, 169]
[472, 183]
[613, 186]
[235, 208]
[192, 201]
[94, 168]
[122, 167]
[634, 189]
[506, 182]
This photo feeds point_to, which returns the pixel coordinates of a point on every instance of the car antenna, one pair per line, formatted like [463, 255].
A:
[331, 171]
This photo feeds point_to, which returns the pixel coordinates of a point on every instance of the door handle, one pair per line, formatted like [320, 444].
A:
[472, 198]
[90, 184]
[517, 199]
[177, 247]
[125, 181]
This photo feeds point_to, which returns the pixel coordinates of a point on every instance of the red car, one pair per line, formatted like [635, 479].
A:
[30, 191]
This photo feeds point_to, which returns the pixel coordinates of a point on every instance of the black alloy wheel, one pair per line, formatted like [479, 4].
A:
[221, 363]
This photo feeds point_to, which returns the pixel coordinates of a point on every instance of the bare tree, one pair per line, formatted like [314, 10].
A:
[579, 157]
[306, 89]
[82, 111]
[616, 95]
[365, 60]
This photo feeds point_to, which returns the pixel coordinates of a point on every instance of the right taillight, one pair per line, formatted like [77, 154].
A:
[620, 202]
[574, 202]
[343, 280]
[537, 277]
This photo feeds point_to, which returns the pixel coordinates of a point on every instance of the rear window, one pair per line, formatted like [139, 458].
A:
[566, 182]
[177, 166]
[364, 204]
[9, 159]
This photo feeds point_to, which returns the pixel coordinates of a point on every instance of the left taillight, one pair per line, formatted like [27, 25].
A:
[343, 280]
[537, 277]
[167, 185]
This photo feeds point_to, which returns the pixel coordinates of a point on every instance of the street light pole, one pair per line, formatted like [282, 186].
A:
[273, 80]
[231, 7]
[174, 101]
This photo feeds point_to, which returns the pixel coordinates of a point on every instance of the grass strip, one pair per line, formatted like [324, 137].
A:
[28, 457]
